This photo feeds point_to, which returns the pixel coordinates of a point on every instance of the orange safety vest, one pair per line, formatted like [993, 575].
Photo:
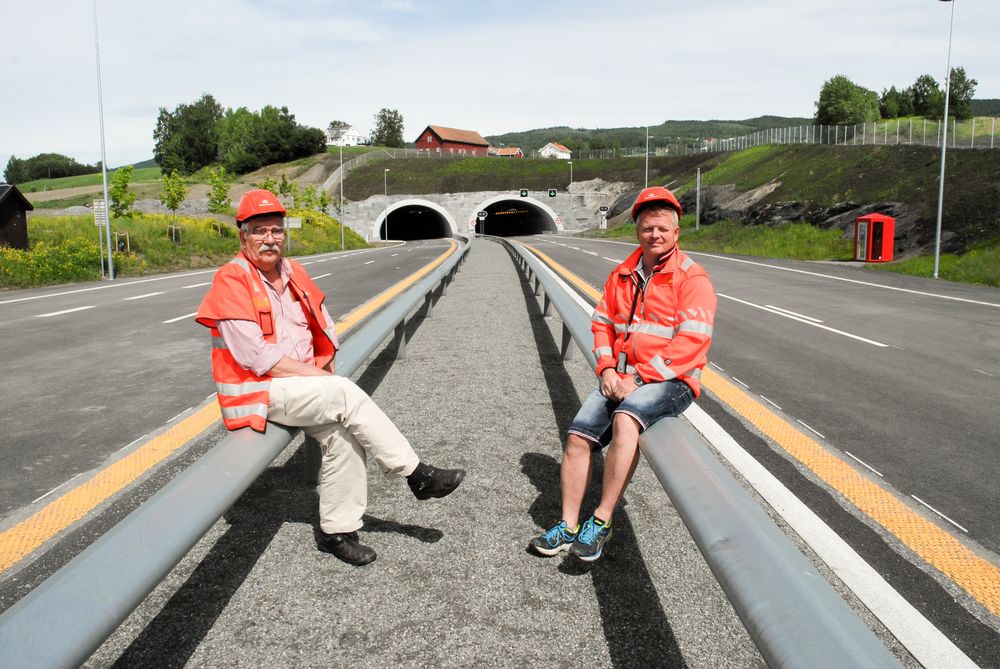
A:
[238, 293]
[669, 333]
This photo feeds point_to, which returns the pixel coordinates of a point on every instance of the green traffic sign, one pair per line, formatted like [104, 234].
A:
[524, 192]
[552, 192]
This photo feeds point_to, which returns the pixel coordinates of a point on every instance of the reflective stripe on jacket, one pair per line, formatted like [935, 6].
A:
[672, 326]
[238, 293]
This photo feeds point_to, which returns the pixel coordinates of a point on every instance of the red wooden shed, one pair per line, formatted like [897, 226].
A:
[452, 141]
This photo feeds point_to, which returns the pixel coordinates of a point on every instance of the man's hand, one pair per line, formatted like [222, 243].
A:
[290, 367]
[610, 385]
[626, 386]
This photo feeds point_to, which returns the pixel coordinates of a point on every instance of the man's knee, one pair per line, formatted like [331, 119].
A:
[577, 446]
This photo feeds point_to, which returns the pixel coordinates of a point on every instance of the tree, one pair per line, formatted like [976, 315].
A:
[268, 184]
[218, 191]
[45, 166]
[960, 94]
[338, 124]
[174, 191]
[388, 128]
[249, 140]
[324, 202]
[122, 198]
[307, 199]
[842, 102]
[928, 100]
[187, 138]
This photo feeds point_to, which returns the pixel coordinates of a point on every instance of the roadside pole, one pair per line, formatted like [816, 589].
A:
[697, 200]
[104, 157]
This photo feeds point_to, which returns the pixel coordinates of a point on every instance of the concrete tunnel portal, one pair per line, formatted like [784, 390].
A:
[511, 217]
[506, 216]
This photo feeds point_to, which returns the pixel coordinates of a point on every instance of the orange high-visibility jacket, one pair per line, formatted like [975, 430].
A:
[671, 329]
[238, 293]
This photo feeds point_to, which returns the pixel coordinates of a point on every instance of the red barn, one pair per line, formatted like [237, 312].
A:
[452, 141]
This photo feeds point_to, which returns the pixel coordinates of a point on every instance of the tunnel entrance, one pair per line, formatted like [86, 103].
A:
[414, 219]
[511, 217]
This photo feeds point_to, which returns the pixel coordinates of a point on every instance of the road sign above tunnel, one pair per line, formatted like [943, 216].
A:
[524, 192]
[552, 192]
[481, 215]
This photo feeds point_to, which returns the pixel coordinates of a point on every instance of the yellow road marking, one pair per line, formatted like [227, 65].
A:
[974, 574]
[20, 540]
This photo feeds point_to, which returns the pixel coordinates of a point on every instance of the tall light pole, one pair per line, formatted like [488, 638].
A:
[647, 158]
[342, 193]
[944, 146]
[385, 191]
[104, 157]
[572, 209]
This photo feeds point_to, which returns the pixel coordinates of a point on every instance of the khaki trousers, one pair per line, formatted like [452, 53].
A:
[348, 425]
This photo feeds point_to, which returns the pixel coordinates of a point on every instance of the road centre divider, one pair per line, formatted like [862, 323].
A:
[793, 614]
[67, 617]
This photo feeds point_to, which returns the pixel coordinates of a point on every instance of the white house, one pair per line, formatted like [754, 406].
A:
[346, 135]
[555, 150]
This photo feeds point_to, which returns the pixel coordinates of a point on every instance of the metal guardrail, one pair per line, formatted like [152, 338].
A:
[792, 613]
[67, 617]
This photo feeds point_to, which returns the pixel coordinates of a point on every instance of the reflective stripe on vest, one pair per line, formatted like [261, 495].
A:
[660, 366]
[229, 413]
[695, 326]
[604, 350]
[237, 389]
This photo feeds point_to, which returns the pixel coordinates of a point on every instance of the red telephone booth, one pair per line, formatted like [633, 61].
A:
[873, 237]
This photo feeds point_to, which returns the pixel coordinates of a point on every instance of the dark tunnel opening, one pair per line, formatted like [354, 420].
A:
[511, 218]
[414, 221]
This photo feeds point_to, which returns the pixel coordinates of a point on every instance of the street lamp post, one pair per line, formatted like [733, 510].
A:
[572, 209]
[104, 157]
[944, 146]
[342, 194]
[647, 158]
[385, 192]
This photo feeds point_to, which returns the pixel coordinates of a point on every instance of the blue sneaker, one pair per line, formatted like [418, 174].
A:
[555, 541]
[589, 544]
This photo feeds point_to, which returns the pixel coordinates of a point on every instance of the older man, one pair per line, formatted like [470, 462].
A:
[652, 329]
[273, 345]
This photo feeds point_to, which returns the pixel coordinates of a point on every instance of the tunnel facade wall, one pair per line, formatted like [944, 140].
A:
[375, 232]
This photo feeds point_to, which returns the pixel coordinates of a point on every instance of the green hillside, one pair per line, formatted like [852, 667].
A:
[664, 134]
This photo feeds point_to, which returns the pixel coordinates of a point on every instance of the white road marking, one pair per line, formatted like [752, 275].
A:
[394, 255]
[923, 640]
[771, 403]
[591, 253]
[741, 383]
[103, 287]
[307, 263]
[199, 285]
[717, 367]
[54, 489]
[141, 297]
[940, 514]
[816, 432]
[840, 278]
[180, 318]
[981, 371]
[793, 313]
[322, 276]
[179, 415]
[614, 260]
[369, 262]
[863, 463]
[64, 311]
[803, 320]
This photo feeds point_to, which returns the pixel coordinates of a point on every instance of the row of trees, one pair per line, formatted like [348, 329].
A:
[201, 133]
[45, 166]
[843, 102]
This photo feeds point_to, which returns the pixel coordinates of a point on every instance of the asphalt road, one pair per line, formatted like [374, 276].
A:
[902, 373]
[90, 368]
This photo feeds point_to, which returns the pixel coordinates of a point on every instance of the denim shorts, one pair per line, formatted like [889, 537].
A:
[647, 404]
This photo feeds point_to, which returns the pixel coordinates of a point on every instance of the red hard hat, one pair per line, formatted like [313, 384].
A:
[257, 202]
[655, 194]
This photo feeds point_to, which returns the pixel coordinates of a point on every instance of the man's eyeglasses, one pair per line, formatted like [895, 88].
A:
[262, 233]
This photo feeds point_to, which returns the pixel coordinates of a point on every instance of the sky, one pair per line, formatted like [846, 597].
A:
[483, 65]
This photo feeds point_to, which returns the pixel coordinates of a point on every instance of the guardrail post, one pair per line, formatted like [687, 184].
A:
[538, 285]
[546, 306]
[428, 304]
[401, 339]
[566, 350]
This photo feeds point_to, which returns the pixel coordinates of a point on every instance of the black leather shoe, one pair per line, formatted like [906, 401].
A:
[428, 481]
[345, 546]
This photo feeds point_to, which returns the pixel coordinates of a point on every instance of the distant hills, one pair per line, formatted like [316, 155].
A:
[668, 132]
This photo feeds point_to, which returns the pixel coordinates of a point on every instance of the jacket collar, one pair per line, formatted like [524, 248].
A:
[669, 265]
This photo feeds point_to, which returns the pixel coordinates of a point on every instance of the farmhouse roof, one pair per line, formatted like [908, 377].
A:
[560, 147]
[509, 151]
[457, 135]
[12, 191]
